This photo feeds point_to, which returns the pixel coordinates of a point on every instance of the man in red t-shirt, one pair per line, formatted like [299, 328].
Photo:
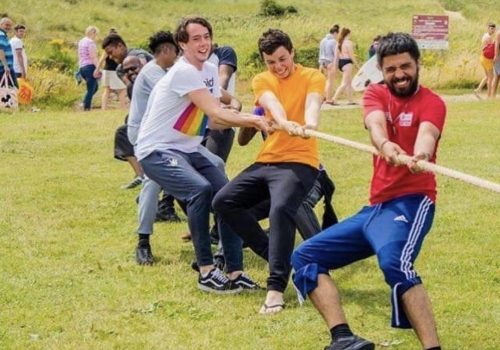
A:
[402, 118]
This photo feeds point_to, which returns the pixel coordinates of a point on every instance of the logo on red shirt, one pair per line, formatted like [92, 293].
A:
[405, 119]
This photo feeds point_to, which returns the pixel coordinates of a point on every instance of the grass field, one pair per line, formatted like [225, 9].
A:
[68, 279]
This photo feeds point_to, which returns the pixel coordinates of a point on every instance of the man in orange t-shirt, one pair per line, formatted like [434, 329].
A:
[287, 164]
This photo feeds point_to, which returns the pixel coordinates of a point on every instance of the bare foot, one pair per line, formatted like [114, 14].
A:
[274, 303]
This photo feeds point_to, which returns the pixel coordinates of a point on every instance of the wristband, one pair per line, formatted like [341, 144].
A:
[382, 144]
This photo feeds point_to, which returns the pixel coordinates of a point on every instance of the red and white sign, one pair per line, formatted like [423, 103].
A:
[431, 32]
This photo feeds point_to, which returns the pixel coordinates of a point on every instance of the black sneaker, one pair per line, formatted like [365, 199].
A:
[167, 216]
[351, 343]
[143, 255]
[216, 282]
[194, 266]
[134, 183]
[220, 262]
[246, 283]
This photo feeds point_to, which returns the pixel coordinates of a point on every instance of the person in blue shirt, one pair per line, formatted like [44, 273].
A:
[6, 54]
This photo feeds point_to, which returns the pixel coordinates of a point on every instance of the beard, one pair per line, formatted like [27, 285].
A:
[404, 92]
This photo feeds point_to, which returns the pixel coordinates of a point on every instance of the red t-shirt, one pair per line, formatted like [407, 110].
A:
[403, 118]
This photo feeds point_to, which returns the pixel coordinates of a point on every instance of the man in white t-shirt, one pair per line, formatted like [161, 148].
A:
[20, 58]
[181, 106]
[165, 52]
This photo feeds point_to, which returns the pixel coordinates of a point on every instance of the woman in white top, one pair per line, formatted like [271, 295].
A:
[345, 60]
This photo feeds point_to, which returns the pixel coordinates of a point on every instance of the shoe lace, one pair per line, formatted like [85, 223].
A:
[219, 276]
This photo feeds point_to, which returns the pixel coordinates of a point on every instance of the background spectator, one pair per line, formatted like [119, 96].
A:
[327, 59]
[6, 55]
[20, 57]
[346, 61]
[87, 61]
[486, 62]
[110, 80]
[373, 47]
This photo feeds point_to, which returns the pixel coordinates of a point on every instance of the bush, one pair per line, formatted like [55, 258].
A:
[269, 8]
[253, 65]
[60, 57]
[53, 87]
[307, 57]
[452, 5]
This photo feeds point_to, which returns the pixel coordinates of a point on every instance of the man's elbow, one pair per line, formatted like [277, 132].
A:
[245, 135]
[243, 141]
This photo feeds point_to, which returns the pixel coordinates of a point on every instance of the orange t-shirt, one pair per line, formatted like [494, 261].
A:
[291, 92]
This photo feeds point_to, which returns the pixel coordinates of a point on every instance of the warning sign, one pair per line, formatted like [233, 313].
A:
[431, 32]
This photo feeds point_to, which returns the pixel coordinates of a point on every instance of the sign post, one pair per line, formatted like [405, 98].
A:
[431, 32]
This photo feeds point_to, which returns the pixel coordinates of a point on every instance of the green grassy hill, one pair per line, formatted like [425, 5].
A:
[56, 26]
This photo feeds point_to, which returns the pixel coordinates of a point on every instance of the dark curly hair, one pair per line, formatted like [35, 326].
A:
[158, 39]
[272, 39]
[396, 43]
[112, 40]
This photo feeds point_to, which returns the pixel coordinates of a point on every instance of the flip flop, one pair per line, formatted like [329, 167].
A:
[264, 309]
[331, 103]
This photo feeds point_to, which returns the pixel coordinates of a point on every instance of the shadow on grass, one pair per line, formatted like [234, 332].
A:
[370, 294]
[186, 255]
[360, 283]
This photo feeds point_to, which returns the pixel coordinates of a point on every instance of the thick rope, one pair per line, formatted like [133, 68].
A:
[404, 159]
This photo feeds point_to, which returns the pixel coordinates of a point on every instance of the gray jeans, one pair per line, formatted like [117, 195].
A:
[194, 179]
[148, 198]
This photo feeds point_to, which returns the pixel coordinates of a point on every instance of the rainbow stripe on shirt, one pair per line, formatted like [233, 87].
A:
[192, 121]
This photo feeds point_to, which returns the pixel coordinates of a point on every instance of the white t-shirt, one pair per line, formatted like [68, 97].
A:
[148, 77]
[17, 43]
[171, 120]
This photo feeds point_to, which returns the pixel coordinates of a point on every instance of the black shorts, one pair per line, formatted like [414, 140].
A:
[343, 62]
[123, 147]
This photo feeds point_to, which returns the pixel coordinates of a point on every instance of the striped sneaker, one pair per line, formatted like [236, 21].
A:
[351, 343]
[216, 282]
[134, 183]
[246, 283]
